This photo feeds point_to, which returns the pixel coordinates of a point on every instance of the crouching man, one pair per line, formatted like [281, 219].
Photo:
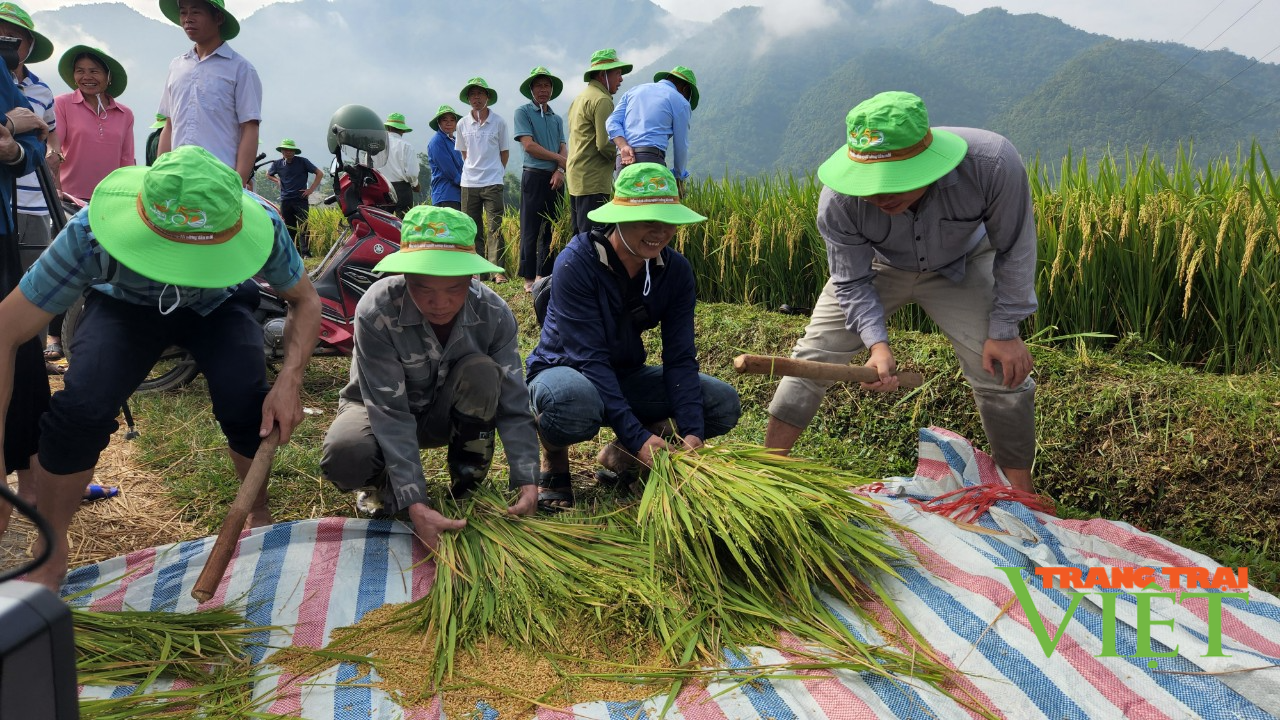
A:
[589, 369]
[435, 363]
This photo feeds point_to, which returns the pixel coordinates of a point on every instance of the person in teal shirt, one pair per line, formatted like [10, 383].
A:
[541, 132]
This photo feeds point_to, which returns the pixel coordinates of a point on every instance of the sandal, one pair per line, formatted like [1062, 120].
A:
[93, 493]
[626, 483]
[53, 368]
[53, 351]
[555, 492]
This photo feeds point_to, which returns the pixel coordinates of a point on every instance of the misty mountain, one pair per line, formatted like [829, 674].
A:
[775, 86]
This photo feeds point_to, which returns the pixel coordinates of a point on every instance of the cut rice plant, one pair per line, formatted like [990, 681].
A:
[179, 665]
[745, 535]
[727, 548]
[524, 580]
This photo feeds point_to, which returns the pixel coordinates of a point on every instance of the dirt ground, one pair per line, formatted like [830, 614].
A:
[143, 515]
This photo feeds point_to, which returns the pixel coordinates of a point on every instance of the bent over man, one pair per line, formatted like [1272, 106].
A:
[939, 217]
[167, 251]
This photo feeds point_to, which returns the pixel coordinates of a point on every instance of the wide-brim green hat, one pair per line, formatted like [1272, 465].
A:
[161, 119]
[480, 83]
[41, 47]
[67, 67]
[606, 59]
[230, 26]
[185, 220]
[441, 112]
[891, 148]
[645, 191]
[396, 120]
[288, 144]
[437, 241]
[681, 72]
[556, 85]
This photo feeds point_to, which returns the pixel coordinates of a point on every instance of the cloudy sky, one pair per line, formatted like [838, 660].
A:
[1193, 22]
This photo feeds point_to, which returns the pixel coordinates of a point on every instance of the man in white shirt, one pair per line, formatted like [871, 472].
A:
[485, 145]
[212, 97]
[401, 169]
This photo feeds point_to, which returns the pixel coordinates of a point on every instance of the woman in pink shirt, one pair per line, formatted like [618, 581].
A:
[96, 130]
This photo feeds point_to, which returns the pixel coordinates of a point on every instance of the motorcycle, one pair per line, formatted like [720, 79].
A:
[357, 140]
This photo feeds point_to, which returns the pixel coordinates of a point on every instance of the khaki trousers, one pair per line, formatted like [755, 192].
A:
[962, 311]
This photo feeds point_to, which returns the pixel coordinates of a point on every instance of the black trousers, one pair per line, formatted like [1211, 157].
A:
[539, 206]
[30, 396]
[294, 213]
[404, 197]
[583, 204]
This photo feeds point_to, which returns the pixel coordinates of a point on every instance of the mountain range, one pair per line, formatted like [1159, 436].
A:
[774, 94]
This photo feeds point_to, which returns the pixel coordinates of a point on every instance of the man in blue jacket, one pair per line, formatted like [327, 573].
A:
[445, 160]
[589, 369]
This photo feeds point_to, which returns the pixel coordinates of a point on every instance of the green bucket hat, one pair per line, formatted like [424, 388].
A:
[556, 85]
[480, 83]
[287, 144]
[184, 221]
[230, 27]
[396, 120]
[606, 59]
[681, 72]
[67, 66]
[891, 148]
[437, 241]
[645, 191]
[41, 48]
[441, 112]
[161, 119]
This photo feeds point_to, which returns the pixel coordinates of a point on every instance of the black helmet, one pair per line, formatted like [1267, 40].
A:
[358, 127]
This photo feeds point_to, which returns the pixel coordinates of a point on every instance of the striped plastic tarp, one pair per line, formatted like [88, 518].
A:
[314, 576]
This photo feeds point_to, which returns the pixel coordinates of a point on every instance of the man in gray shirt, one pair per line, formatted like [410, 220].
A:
[941, 218]
[436, 363]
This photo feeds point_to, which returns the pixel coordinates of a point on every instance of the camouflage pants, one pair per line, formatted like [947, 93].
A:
[352, 458]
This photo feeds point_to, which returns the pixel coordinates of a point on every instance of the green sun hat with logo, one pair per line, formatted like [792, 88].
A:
[437, 241]
[41, 47]
[161, 120]
[288, 144]
[480, 83]
[396, 120]
[606, 59]
[230, 26]
[441, 112]
[67, 67]
[645, 191]
[556, 85]
[184, 221]
[681, 72]
[891, 148]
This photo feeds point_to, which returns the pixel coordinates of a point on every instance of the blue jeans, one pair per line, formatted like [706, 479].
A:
[569, 409]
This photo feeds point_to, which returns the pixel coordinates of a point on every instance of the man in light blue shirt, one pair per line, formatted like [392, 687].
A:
[649, 119]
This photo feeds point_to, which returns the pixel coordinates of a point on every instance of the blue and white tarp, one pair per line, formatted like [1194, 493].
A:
[314, 576]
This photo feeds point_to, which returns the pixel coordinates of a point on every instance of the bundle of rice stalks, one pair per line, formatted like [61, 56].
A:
[726, 548]
[525, 581]
[744, 535]
[179, 665]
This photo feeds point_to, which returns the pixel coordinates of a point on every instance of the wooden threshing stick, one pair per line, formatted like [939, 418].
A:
[220, 556]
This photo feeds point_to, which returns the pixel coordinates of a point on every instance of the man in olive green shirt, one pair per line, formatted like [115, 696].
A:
[591, 152]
